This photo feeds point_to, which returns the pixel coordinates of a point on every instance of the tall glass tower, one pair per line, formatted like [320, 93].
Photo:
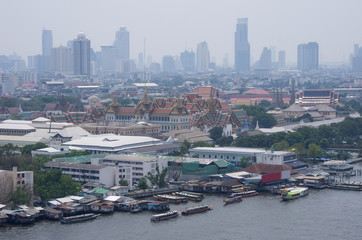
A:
[122, 43]
[242, 46]
[308, 56]
[81, 55]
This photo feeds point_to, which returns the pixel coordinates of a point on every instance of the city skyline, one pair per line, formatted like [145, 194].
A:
[271, 23]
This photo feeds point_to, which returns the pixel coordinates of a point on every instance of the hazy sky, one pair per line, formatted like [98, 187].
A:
[171, 26]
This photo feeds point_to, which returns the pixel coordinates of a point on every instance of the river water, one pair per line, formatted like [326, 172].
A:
[323, 214]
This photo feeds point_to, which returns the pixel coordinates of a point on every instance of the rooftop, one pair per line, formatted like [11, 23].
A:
[227, 149]
[74, 165]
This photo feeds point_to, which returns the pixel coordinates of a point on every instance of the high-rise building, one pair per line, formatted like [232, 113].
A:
[122, 43]
[47, 45]
[242, 46]
[202, 57]
[281, 59]
[356, 59]
[308, 56]
[265, 61]
[168, 64]
[188, 61]
[61, 60]
[110, 61]
[81, 55]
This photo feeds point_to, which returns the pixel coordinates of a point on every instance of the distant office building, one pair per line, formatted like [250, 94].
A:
[202, 57]
[356, 59]
[281, 59]
[273, 51]
[242, 46]
[122, 43]
[47, 45]
[168, 64]
[188, 61]
[10, 82]
[308, 56]
[36, 63]
[155, 67]
[110, 61]
[61, 60]
[265, 59]
[140, 61]
[81, 55]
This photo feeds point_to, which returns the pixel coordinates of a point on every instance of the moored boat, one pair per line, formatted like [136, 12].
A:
[233, 200]
[190, 196]
[346, 186]
[243, 194]
[171, 198]
[294, 193]
[165, 216]
[196, 209]
[79, 218]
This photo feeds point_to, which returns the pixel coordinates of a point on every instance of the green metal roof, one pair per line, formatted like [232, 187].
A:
[100, 191]
[79, 159]
[221, 163]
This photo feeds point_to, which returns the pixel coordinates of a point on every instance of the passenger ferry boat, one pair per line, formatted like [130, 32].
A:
[335, 166]
[165, 216]
[243, 194]
[79, 218]
[294, 193]
[233, 200]
[190, 196]
[196, 209]
[171, 198]
[351, 186]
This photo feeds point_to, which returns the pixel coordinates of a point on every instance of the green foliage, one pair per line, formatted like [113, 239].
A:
[349, 127]
[142, 184]
[20, 196]
[299, 149]
[8, 102]
[265, 103]
[281, 146]
[157, 179]
[9, 156]
[51, 183]
[29, 163]
[185, 146]
[252, 110]
[265, 120]
[175, 153]
[123, 182]
[224, 141]
[244, 162]
[314, 151]
[293, 138]
[73, 153]
[216, 133]
[200, 144]
[30, 147]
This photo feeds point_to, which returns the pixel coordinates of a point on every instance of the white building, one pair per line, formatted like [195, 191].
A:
[112, 144]
[132, 167]
[236, 154]
[202, 57]
[10, 180]
[86, 172]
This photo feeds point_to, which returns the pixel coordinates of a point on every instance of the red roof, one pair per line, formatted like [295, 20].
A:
[256, 91]
[262, 168]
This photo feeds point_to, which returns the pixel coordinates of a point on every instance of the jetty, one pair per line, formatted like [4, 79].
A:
[151, 192]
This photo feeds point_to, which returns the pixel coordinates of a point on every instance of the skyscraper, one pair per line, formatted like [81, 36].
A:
[122, 43]
[242, 46]
[168, 64]
[47, 42]
[281, 59]
[81, 55]
[265, 61]
[188, 61]
[47, 45]
[308, 56]
[202, 57]
[61, 60]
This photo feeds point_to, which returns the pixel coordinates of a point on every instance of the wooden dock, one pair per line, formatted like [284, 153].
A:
[151, 192]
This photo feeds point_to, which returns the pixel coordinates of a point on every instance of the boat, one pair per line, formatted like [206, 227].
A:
[336, 166]
[351, 186]
[19, 217]
[294, 193]
[171, 198]
[194, 193]
[233, 200]
[158, 206]
[243, 194]
[79, 218]
[190, 196]
[165, 216]
[196, 209]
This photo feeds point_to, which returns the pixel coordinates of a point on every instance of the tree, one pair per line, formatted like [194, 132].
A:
[30, 147]
[20, 196]
[293, 138]
[323, 143]
[216, 133]
[157, 179]
[349, 127]
[224, 141]
[123, 182]
[185, 146]
[299, 149]
[244, 162]
[265, 103]
[200, 144]
[142, 184]
[51, 183]
[281, 146]
[265, 120]
[314, 151]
